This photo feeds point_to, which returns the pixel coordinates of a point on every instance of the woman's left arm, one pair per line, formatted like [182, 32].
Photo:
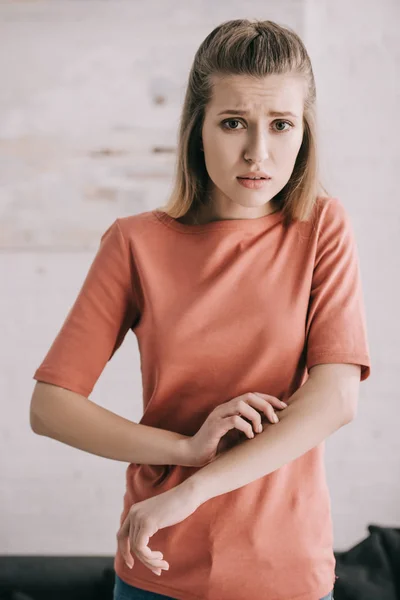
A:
[326, 402]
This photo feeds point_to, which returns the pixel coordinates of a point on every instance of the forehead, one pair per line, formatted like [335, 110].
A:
[283, 92]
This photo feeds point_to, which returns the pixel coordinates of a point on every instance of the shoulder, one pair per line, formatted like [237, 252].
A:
[137, 220]
[334, 229]
[327, 213]
[125, 231]
[134, 226]
[330, 213]
[329, 224]
[329, 206]
[333, 208]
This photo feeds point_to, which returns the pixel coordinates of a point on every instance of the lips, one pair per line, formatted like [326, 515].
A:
[253, 184]
[251, 174]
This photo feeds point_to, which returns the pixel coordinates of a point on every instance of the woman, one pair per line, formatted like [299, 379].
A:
[242, 294]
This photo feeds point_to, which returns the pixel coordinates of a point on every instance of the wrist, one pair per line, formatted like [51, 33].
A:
[196, 487]
[183, 454]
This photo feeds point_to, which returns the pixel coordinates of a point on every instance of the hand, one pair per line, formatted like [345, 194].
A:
[147, 517]
[203, 447]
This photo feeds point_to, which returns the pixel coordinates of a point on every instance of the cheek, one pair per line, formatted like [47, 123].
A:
[219, 157]
[220, 147]
[213, 166]
[287, 153]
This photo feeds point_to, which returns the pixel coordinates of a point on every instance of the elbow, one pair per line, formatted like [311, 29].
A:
[34, 421]
[349, 411]
[340, 382]
[37, 406]
[49, 405]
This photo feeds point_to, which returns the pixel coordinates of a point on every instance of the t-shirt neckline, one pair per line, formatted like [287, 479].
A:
[256, 224]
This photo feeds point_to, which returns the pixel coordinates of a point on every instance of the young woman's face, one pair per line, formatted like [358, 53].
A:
[271, 141]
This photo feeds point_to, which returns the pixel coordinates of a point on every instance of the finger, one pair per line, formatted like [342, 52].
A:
[153, 559]
[155, 565]
[141, 540]
[268, 410]
[123, 543]
[272, 400]
[242, 405]
[252, 414]
[271, 414]
[266, 406]
[236, 422]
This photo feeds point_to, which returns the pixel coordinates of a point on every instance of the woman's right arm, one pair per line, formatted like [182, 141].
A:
[75, 420]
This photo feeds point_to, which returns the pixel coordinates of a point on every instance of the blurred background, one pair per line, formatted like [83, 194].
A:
[90, 98]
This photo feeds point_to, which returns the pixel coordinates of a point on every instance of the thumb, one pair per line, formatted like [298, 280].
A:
[124, 544]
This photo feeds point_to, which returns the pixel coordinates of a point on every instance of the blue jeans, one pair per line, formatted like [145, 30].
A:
[123, 591]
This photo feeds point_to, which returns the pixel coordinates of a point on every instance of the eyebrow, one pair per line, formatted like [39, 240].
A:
[271, 113]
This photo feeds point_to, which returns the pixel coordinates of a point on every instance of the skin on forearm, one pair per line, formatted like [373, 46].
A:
[75, 420]
[315, 411]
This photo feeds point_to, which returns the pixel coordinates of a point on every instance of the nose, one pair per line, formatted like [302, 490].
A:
[257, 149]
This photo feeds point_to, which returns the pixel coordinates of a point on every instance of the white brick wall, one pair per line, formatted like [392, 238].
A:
[88, 90]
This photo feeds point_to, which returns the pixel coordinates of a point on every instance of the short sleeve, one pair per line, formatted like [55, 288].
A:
[96, 325]
[336, 321]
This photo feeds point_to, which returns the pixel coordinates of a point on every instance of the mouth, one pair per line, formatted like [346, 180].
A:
[255, 178]
[253, 184]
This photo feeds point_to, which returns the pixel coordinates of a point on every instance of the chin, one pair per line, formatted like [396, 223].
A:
[255, 201]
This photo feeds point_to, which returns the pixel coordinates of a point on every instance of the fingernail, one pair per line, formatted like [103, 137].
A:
[129, 566]
[275, 418]
[283, 403]
[260, 428]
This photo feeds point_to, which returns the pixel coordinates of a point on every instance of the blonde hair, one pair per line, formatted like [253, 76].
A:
[252, 48]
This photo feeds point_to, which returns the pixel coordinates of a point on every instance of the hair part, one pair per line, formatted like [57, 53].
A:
[258, 49]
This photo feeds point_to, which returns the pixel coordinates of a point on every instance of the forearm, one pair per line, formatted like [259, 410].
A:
[314, 413]
[77, 421]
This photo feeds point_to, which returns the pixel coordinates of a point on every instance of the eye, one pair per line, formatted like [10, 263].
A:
[285, 122]
[229, 121]
[279, 130]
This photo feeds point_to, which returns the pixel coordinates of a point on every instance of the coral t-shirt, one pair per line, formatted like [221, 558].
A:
[220, 309]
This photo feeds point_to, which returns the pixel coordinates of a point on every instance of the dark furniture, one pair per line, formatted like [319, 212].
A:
[368, 571]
